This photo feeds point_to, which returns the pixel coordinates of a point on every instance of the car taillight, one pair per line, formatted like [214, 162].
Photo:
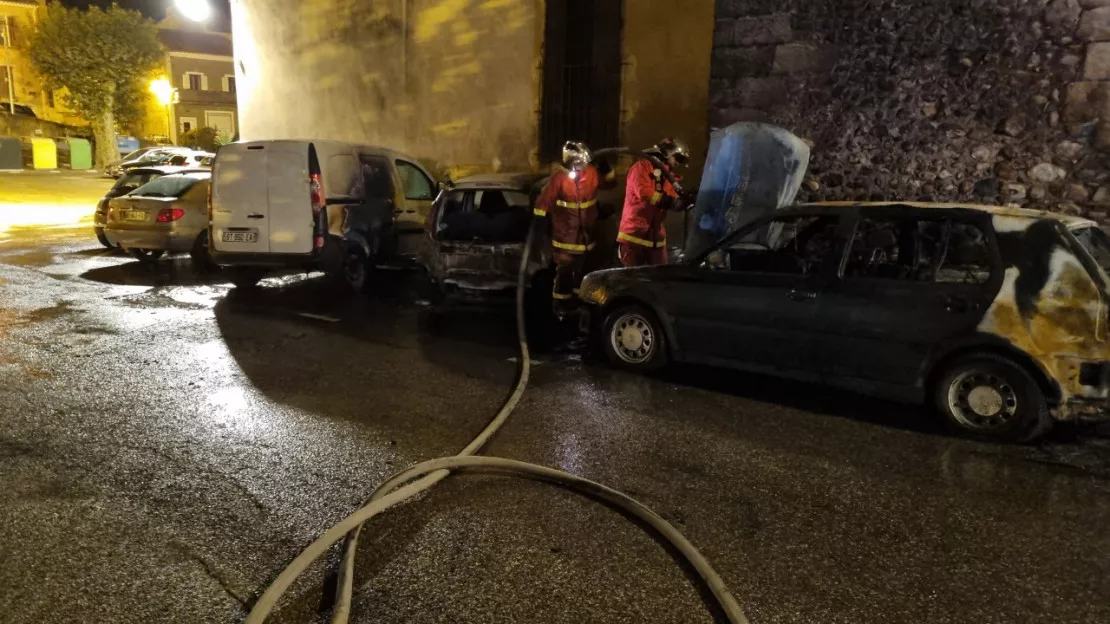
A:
[316, 188]
[166, 215]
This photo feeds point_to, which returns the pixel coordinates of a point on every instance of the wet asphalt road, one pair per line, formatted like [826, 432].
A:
[167, 445]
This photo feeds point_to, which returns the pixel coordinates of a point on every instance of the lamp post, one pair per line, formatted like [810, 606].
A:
[164, 92]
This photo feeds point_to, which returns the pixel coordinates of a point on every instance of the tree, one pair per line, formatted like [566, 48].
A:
[101, 57]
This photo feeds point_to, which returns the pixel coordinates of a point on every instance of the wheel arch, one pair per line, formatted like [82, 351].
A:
[1048, 386]
[627, 299]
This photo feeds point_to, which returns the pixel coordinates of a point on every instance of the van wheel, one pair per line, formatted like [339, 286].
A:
[146, 255]
[246, 277]
[633, 339]
[356, 269]
[990, 396]
[202, 260]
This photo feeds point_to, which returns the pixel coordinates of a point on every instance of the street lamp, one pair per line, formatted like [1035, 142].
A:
[164, 92]
[196, 10]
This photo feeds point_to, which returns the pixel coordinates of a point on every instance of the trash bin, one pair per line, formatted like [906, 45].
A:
[126, 145]
[40, 153]
[751, 169]
[74, 153]
[11, 153]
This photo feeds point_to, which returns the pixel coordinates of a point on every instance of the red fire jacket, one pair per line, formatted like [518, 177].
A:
[570, 199]
[645, 207]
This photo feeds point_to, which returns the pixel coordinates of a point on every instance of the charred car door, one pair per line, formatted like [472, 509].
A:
[913, 280]
[752, 303]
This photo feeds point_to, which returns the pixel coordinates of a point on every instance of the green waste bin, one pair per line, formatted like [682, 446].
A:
[80, 152]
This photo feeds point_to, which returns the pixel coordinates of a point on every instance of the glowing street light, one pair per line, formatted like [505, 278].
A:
[196, 10]
[163, 90]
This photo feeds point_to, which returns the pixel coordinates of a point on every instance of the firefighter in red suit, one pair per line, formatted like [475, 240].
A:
[570, 201]
[648, 196]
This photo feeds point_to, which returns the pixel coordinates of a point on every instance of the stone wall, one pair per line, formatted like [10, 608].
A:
[991, 101]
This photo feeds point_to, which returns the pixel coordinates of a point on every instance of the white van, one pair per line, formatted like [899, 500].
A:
[316, 205]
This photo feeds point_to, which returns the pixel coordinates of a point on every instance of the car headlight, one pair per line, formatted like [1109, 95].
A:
[593, 291]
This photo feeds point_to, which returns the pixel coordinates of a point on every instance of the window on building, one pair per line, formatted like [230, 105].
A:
[195, 81]
[50, 99]
[7, 31]
[229, 84]
[7, 82]
[417, 185]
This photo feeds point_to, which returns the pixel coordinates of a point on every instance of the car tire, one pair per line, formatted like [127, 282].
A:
[356, 269]
[246, 277]
[633, 339]
[202, 260]
[992, 397]
[148, 256]
[104, 239]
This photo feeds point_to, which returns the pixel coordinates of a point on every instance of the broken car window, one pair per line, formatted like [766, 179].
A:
[918, 250]
[486, 216]
[793, 245]
[1097, 243]
[417, 185]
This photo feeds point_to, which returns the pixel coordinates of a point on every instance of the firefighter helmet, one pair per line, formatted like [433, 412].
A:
[674, 148]
[576, 155]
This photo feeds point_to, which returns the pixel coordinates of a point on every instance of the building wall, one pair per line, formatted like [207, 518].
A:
[28, 86]
[990, 101]
[453, 82]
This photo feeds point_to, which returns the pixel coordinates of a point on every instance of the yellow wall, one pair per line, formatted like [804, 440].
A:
[452, 82]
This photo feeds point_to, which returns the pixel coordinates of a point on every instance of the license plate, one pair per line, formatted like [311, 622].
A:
[133, 215]
[240, 237]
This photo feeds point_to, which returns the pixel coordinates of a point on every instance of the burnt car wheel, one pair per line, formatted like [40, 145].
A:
[633, 339]
[356, 269]
[146, 255]
[990, 396]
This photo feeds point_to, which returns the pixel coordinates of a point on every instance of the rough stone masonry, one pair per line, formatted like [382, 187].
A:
[990, 101]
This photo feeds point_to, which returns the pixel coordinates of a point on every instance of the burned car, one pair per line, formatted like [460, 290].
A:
[476, 236]
[997, 315]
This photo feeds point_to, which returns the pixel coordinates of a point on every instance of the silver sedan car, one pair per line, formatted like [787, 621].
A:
[168, 214]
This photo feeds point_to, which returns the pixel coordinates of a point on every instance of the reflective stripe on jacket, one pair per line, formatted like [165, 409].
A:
[570, 199]
[643, 217]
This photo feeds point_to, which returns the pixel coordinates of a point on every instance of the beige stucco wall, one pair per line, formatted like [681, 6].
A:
[453, 82]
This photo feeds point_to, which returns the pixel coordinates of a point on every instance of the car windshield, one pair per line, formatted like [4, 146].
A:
[1097, 243]
[167, 186]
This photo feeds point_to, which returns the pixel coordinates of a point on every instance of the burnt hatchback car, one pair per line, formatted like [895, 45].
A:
[476, 236]
[997, 315]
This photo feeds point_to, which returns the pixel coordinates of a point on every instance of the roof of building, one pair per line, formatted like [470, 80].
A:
[196, 42]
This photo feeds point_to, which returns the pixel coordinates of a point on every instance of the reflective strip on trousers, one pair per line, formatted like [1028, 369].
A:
[628, 238]
[572, 247]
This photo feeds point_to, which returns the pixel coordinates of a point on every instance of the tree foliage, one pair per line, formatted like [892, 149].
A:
[101, 57]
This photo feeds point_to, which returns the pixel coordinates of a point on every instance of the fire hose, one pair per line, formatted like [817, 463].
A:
[423, 476]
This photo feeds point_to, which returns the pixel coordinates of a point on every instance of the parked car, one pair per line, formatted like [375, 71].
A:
[475, 239]
[158, 156]
[191, 159]
[324, 205]
[996, 315]
[113, 169]
[169, 213]
[126, 184]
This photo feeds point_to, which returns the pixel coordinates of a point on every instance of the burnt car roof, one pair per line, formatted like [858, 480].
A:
[517, 181]
[1002, 211]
